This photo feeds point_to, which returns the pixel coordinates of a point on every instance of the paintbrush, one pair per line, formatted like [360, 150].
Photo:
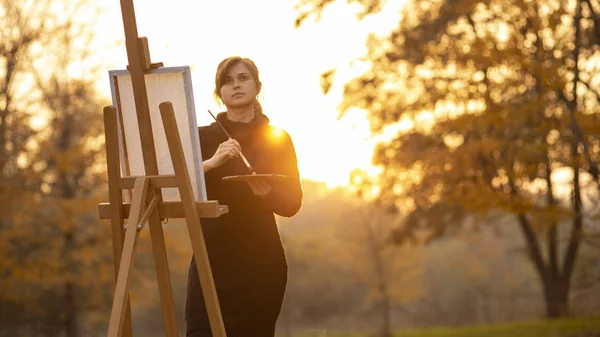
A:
[228, 136]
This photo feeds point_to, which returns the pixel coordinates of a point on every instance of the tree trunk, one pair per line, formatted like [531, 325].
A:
[68, 193]
[71, 311]
[385, 311]
[387, 315]
[374, 237]
[70, 323]
[556, 296]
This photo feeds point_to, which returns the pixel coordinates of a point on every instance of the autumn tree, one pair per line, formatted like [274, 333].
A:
[504, 98]
[54, 256]
[19, 183]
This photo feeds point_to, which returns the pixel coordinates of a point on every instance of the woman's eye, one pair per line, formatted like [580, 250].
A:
[228, 80]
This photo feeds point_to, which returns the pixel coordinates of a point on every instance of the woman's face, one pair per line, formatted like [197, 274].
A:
[239, 87]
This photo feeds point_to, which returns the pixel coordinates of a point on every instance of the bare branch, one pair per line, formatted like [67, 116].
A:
[587, 85]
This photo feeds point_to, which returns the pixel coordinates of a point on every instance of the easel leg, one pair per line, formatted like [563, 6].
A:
[192, 221]
[162, 273]
[116, 198]
[117, 314]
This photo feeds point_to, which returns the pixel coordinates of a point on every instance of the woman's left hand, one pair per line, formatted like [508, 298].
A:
[260, 188]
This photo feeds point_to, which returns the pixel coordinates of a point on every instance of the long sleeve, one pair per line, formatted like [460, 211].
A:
[285, 198]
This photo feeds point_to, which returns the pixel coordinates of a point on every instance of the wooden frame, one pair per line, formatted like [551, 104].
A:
[146, 204]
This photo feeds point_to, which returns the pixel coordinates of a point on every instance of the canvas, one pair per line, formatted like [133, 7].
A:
[172, 84]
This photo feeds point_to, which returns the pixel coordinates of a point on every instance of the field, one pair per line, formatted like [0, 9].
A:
[575, 327]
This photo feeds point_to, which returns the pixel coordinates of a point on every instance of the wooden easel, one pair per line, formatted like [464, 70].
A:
[146, 203]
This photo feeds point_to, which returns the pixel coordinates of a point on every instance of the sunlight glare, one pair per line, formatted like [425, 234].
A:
[276, 133]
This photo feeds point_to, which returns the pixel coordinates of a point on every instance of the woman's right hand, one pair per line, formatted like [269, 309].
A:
[226, 150]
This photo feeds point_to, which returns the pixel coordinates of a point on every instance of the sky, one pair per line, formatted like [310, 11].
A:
[199, 34]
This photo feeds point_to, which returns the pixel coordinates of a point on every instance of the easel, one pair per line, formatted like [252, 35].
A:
[146, 203]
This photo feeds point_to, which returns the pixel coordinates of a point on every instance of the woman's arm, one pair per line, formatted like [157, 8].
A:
[207, 165]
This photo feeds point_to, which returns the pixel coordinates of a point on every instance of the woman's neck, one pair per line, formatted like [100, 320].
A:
[241, 114]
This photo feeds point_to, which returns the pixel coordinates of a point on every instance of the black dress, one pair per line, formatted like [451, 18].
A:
[244, 247]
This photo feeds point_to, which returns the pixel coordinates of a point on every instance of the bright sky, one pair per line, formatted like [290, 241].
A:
[202, 33]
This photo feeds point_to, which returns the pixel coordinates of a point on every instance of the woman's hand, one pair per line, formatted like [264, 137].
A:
[226, 150]
[260, 188]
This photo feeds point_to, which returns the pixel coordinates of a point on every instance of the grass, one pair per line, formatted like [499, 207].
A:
[572, 327]
[557, 328]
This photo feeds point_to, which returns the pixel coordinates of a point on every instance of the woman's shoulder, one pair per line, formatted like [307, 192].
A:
[206, 127]
[278, 136]
[207, 130]
[278, 131]
[208, 135]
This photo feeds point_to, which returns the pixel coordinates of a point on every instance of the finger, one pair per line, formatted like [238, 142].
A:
[225, 155]
[234, 144]
[225, 147]
[229, 145]
[231, 142]
[232, 152]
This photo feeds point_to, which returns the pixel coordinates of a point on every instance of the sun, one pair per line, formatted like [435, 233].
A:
[329, 150]
[276, 134]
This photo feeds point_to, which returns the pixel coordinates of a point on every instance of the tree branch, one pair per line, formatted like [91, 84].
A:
[531, 240]
[553, 230]
[595, 18]
[533, 246]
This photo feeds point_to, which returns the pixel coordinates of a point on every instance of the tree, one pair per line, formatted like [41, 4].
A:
[504, 98]
[55, 258]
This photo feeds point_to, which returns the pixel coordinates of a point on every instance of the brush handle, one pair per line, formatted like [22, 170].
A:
[247, 163]
[228, 136]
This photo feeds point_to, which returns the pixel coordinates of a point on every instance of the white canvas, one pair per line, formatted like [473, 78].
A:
[171, 84]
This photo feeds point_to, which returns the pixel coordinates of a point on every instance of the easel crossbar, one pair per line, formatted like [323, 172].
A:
[170, 209]
[147, 212]
[156, 181]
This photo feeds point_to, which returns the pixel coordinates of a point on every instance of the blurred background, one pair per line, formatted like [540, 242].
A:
[449, 152]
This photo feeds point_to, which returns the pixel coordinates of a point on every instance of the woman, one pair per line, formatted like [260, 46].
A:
[244, 247]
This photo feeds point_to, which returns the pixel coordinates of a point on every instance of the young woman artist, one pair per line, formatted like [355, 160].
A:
[244, 247]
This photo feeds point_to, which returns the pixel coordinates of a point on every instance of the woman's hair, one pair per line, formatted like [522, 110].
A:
[224, 67]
